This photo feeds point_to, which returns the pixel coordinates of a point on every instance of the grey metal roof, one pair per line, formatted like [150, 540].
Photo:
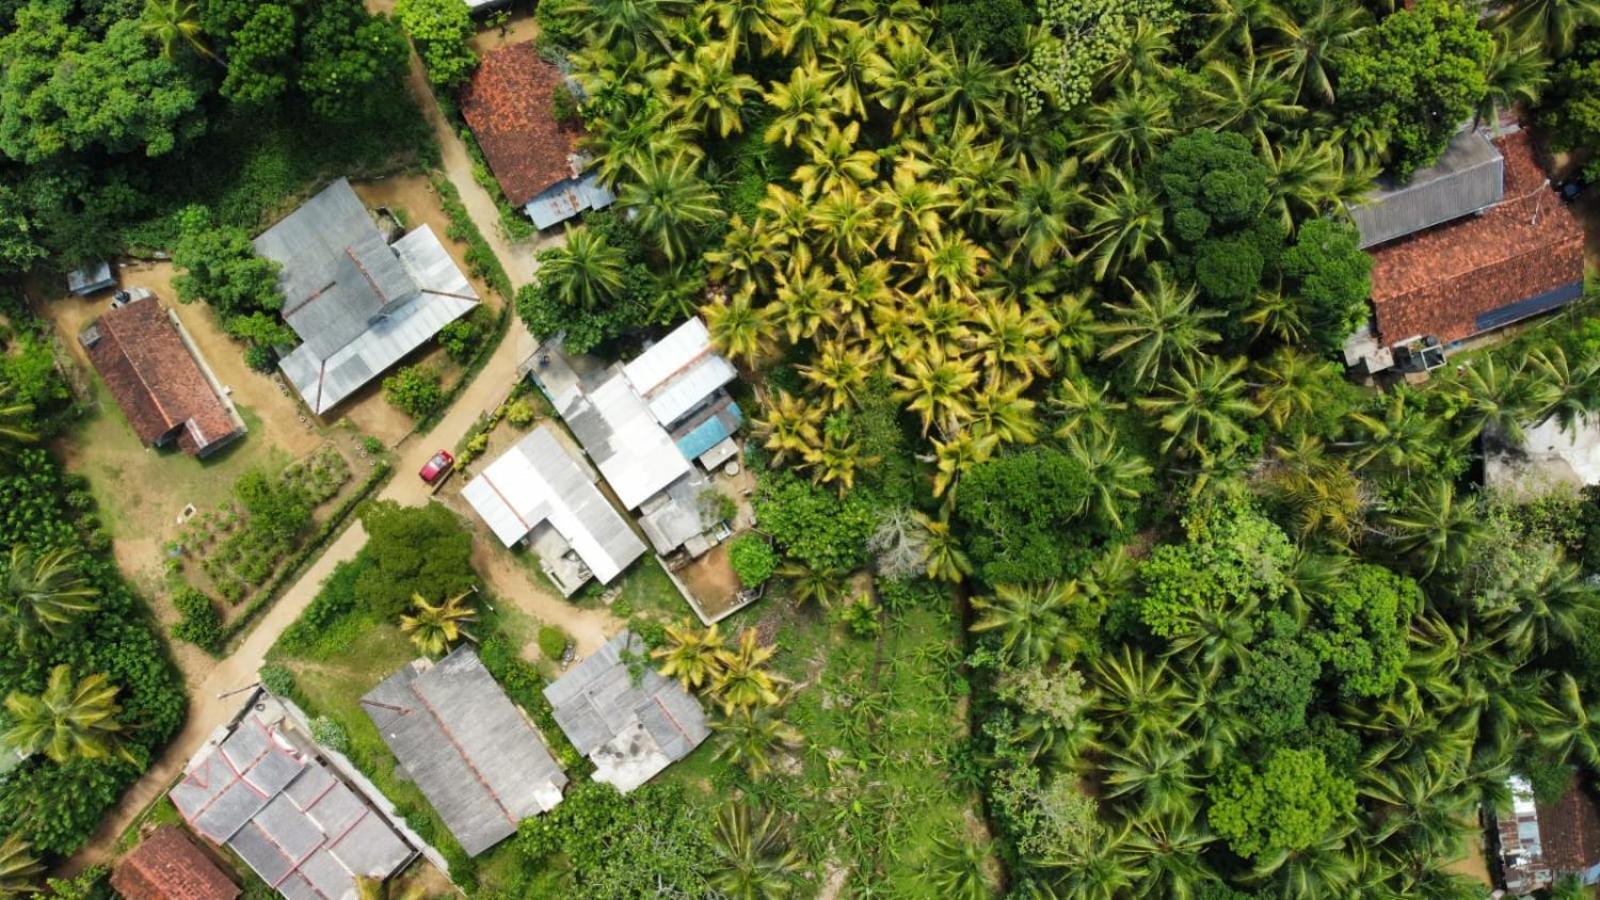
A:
[358, 303]
[471, 751]
[294, 822]
[631, 449]
[609, 718]
[1468, 177]
[565, 199]
[537, 480]
[679, 372]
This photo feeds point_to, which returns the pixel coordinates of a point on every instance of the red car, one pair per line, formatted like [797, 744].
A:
[437, 468]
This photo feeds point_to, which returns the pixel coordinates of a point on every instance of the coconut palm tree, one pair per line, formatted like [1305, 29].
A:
[1009, 340]
[835, 460]
[15, 422]
[751, 26]
[586, 272]
[671, 202]
[1252, 100]
[1034, 623]
[1125, 130]
[841, 371]
[693, 657]
[42, 595]
[813, 584]
[790, 424]
[1517, 72]
[752, 855]
[1552, 23]
[174, 24]
[935, 387]
[834, 159]
[20, 870]
[912, 208]
[1116, 473]
[1171, 850]
[1157, 777]
[1402, 438]
[635, 23]
[801, 106]
[1159, 327]
[1233, 24]
[1203, 410]
[1126, 222]
[1005, 414]
[622, 148]
[1435, 527]
[1105, 870]
[958, 869]
[1306, 178]
[1551, 606]
[1038, 214]
[974, 89]
[1138, 699]
[846, 224]
[72, 719]
[1086, 408]
[1577, 385]
[1569, 725]
[433, 628]
[1291, 385]
[739, 328]
[909, 77]
[1503, 398]
[749, 738]
[955, 456]
[804, 301]
[947, 561]
[846, 66]
[1305, 46]
[710, 93]
[743, 680]
[1143, 58]
[1327, 868]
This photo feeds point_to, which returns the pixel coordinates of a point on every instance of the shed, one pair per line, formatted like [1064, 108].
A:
[470, 750]
[168, 866]
[91, 279]
[1469, 177]
[358, 303]
[538, 483]
[629, 720]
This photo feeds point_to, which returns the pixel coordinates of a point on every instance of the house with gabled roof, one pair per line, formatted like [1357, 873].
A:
[1538, 843]
[472, 752]
[159, 379]
[1472, 244]
[510, 106]
[358, 302]
[168, 866]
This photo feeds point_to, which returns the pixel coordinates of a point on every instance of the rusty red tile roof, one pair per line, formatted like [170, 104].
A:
[1437, 282]
[168, 866]
[152, 375]
[1569, 832]
[509, 103]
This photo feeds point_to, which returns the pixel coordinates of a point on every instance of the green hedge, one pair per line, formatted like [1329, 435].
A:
[302, 558]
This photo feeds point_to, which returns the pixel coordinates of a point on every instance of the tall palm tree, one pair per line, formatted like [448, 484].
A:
[72, 719]
[1005, 414]
[1139, 699]
[711, 94]
[1159, 327]
[834, 160]
[1034, 623]
[935, 386]
[433, 628]
[1576, 384]
[587, 272]
[1305, 46]
[1144, 56]
[20, 870]
[1292, 385]
[743, 680]
[1569, 725]
[1010, 340]
[1106, 870]
[749, 738]
[974, 89]
[1125, 130]
[954, 457]
[813, 584]
[1435, 527]
[1253, 100]
[1116, 473]
[1233, 24]
[1158, 777]
[1306, 178]
[1402, 437]
[912, 207]
[1085, 407]
[1038, 215]
[1553, 605]
[1171, 850]
[738, 327]
[15, 422]
[1517, 72]
[801, 106]
[693, 657]
[846, 66]
[1503, 398]
[752, 854]
[749, 25]
[671, 202]
[789, 424]
[1203, 410]
[635, 23]
[947, 561]
[1553, 23]
[908, 77]
[174, 24]
[841, 371]
[1126, 222]
[835, 460]
[958, 869]
[42, 595]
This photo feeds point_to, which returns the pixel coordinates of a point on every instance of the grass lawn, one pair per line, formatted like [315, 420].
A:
[875, 783]
[141, 492]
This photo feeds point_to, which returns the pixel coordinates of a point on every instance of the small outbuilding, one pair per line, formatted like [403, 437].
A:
[630, 720]
[471, 751]
[91, 279]
[159, 379]
[168, 866]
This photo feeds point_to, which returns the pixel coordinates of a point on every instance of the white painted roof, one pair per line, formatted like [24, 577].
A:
[679, 371]
[632, 450]
[538, 480]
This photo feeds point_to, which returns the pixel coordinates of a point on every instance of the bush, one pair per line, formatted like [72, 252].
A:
[277, 680]
[199, 622]
[564, 106]
[440, 29]
[552, 642]
[415, 390]
[521, 413]
[330, 734]
[753, 560]
[813, 525]
[459, 339]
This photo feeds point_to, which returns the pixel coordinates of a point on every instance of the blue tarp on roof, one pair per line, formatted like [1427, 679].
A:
[710, 433]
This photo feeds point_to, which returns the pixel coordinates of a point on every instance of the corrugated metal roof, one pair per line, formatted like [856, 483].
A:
[565, 199]
[704, 436]
[631, 449]
[1468, 177]
[358, 304]
[679, 372]
[538, 480]
[597, 702]
[468, 748]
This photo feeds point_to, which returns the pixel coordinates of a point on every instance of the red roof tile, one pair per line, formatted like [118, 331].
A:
[168, 866]
[509, 104]
[1437, 282]
[152, 375]
[1569, 832]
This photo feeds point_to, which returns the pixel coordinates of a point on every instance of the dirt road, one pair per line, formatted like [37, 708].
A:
[590, 628]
